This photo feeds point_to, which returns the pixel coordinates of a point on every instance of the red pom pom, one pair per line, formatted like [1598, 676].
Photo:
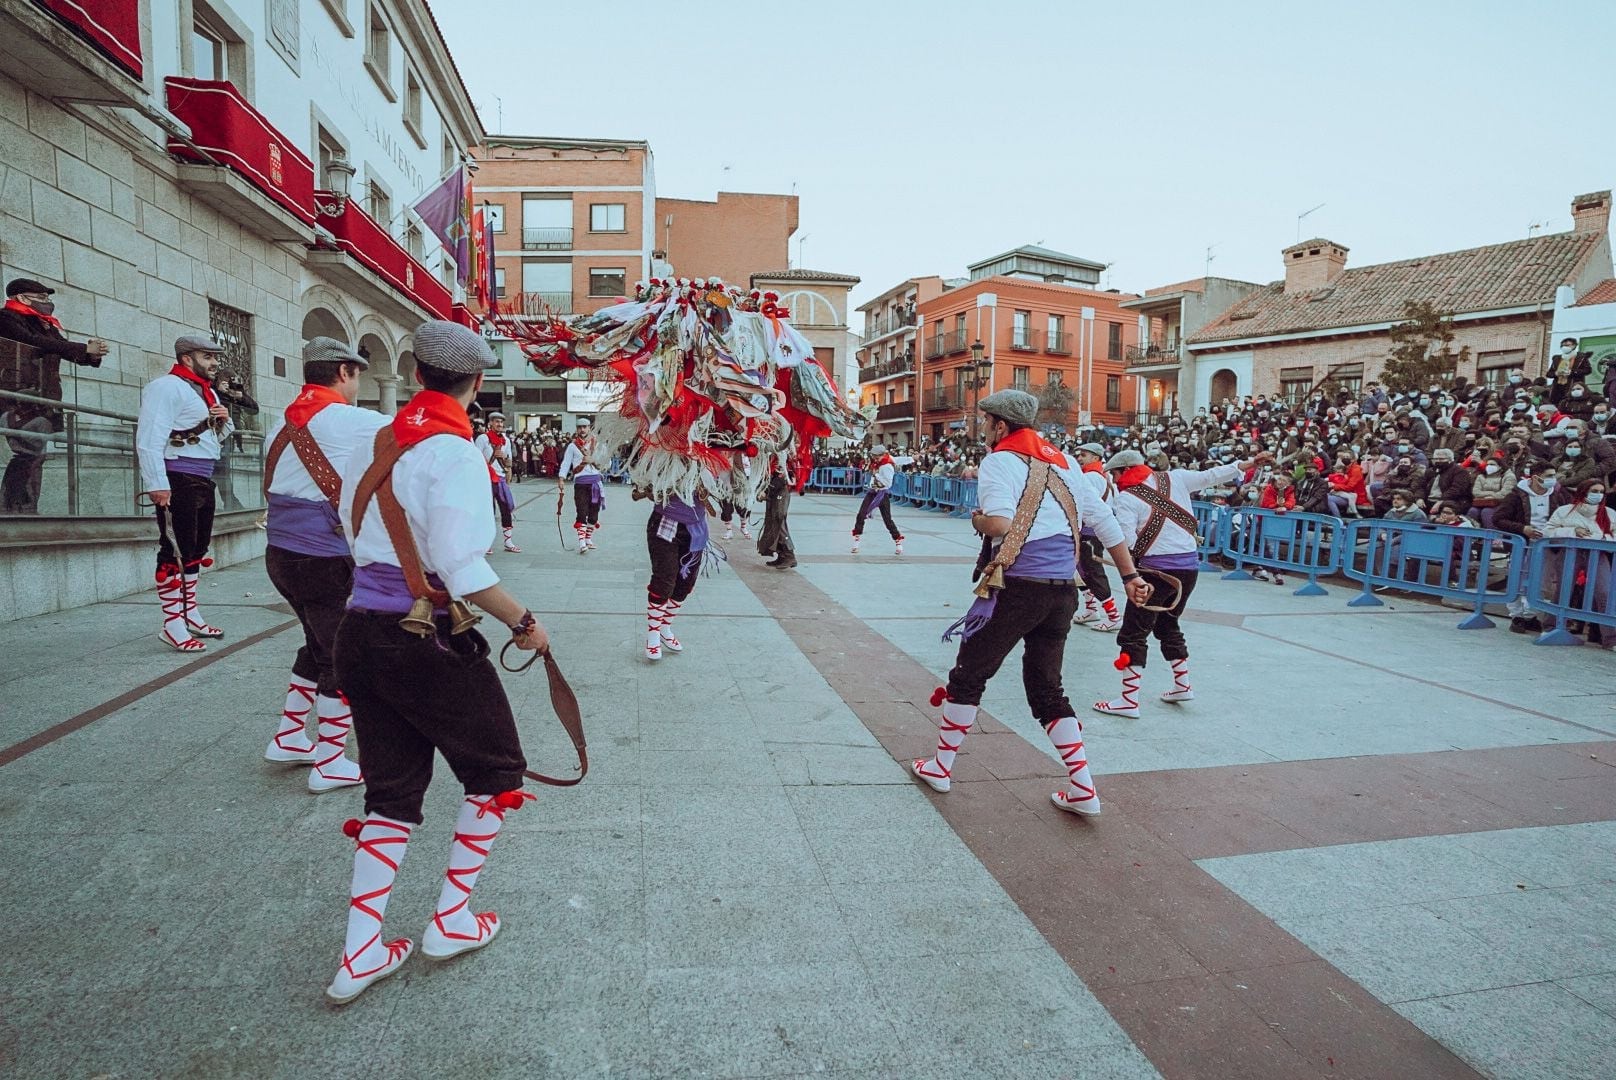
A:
[511, 800]
[207, 562]
[1122, 662]
[750, 450]
[351, 827]
[938, 696]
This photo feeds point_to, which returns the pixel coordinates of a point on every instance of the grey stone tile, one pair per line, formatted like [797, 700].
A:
[1538, 1032]
[834, 766]
[1561, 932]
[744, 927]
[1548, 856]
[100, 944]
[772, 1020]
[894, 920]
[914, 852]
[864, 806]
[991, 1004]
[739, 854]
[1409, 952]
[1108, 1061]
[739, 766]
[1597, 990]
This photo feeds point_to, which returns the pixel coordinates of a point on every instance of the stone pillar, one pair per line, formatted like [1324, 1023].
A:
[387, 385]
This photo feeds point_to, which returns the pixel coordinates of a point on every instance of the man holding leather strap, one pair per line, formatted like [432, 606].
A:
[1158, 519]
[1033, 503]
[177, 442]
[415, 504]
[308, 558]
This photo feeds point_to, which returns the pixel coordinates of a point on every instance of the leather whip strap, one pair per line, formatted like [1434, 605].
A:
[565, 703]
[1040, 479]
[378, 482]
[319, 467]
[1162, 510]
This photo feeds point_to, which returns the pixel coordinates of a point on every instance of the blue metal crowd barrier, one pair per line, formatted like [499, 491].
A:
[946, 494]
[1213, 521]
[966, 499]
[1408, 554]
[836, 480]
[1299, 543]
[1570, 579]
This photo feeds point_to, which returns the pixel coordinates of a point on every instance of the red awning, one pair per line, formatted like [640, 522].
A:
[464, 316]
[375, 248]
[236, 134]
[112, 26]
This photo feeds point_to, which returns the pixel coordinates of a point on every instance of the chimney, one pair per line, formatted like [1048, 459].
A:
[1590, 213]
[1313, 264]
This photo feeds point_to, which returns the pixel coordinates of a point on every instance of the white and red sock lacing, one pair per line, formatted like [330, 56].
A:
[171, 595]
[481, 817]
[381, 843]
[292, 737]
[1066, 734]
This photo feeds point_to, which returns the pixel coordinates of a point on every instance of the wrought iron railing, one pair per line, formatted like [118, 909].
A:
[549, 239]
[1150, 355]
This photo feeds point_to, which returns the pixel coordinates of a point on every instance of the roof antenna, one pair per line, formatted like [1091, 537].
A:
[1302, 215]
[1210, 257]
[1532, 228]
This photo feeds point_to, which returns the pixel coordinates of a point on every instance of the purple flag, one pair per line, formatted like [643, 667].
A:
[443, 210]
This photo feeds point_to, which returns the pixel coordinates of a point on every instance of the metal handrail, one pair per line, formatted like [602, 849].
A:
[68, 406]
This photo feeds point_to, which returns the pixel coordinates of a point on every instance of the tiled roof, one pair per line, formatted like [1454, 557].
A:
[1477, 279]
[1603, 293]
[805, 275]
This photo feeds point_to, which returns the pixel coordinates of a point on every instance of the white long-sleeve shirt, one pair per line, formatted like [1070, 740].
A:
[442, 484]
[881, 478]
[485, 446]
[573, 460]
[1133, 512]
[1003, 477]
[168, 404]
[338, 429]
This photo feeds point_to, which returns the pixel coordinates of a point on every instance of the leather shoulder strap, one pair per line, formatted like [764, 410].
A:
[377, 482]
[1162, 510]
[319, 467]
[1068, 504]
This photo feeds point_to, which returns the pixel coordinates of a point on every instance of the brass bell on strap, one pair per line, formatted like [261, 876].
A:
[461, 617]
[419, 620]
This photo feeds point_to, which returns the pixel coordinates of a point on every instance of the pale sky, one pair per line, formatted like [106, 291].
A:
[925, 136]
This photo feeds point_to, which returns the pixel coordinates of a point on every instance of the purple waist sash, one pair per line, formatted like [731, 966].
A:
[1047, 557]
[306, 526]
[190, 466]
[381, 587]
[597, 495]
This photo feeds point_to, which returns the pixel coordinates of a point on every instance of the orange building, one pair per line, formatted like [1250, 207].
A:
[1044, 326]
[886, 358]
[734, 237]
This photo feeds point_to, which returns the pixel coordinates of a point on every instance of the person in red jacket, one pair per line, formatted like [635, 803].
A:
[1278, 495]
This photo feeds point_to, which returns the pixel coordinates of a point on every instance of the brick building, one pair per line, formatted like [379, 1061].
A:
[886, 357]
[577, 221]
[1327, 321]
[1044, 326]
[214, 166]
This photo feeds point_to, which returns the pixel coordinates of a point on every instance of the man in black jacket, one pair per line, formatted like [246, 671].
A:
[1448, 481]
[28, 317]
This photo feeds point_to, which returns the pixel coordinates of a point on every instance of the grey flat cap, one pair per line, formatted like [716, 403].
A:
[1125, 459]
[449, 346]
[331, 350]
[496, 416]
[878, 449]
[190, 343]
[1011, 406]
[1093, 448]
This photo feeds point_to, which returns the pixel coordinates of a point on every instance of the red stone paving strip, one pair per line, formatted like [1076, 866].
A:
[107, 708]
[1202, 982]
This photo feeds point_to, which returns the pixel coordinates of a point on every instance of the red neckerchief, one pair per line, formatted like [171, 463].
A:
[495, 439]
[884, 461]
[1094, 466]
[430, 413]
[13, 304]
[1133, 476]
[1029, 442]
[312, 399]
[190, 376]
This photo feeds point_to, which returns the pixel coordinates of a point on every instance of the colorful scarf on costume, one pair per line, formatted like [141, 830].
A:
[308, 403]
[13, 304]
[192, 377]
[429, 413]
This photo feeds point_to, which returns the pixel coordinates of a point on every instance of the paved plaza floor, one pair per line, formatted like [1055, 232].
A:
[1373, 846]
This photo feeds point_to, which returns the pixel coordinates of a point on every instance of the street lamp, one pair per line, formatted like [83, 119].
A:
[980, 370]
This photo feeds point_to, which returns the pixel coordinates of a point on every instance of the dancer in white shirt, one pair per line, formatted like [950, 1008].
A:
[878, 496]
[578, 464]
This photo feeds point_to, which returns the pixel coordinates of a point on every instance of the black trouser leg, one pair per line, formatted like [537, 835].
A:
[886, 518]
[1091, 569]
[1041, 658]
[1168, 631]
[669, 579]
[190, 515]
[504, 509]
[1138, 625]
[1022, 608]
[317, 588]
[411, 695]
[585, 508]
[863, 514]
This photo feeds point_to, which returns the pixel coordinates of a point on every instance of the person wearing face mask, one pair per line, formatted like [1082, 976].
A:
[1448, 437]
[178, 440]
[1586, 517]
[1492, 484]
[1568, 367]
[1600, 423]
[1576, 466]
[1580, 401]
[1525, 512]
[1448, 481]
[29, 317]
[1349, 488]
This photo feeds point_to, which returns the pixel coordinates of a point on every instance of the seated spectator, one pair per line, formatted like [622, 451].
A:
[1349, 491]
[1586, 517]
[1403, 508]
[1575, 466]
[1313, 490]
[1448, 481]
[1491, 485]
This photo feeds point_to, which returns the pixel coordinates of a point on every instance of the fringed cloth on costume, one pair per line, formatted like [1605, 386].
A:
[1050, 557]
[703, 553]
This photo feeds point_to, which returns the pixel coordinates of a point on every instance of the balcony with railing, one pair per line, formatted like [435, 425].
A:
[879, 327]
[1024, 340]
[936, 347]
[958, 341]
[944, 400]
[900, 365]
[537, 304]
[548, 239]
[896, 410]
[1152, 355]
[1059, 343]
